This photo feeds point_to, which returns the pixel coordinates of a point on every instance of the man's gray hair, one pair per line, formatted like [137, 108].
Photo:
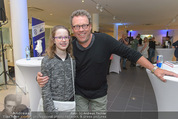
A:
[80, 13]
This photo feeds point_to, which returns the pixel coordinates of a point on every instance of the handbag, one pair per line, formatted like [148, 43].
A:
[66, 106]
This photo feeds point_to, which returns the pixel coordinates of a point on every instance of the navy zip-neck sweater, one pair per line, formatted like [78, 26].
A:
[92, 64]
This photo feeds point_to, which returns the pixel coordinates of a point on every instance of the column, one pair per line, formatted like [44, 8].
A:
[95, 22]
[116, 31]
[115, 63]
[20, 34]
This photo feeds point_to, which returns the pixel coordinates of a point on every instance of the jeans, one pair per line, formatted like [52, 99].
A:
[124, 62]
[84, 104]
[151, 54]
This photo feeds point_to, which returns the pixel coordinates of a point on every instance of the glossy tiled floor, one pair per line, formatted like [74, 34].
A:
[130, 91]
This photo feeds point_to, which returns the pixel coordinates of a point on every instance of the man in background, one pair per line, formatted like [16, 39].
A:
[125, 41]
[175, 44]
[9, 105]
[134, 46]
[140, 40]
[167, 42]
[151, 50]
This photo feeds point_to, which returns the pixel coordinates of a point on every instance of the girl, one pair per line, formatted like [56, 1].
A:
[59, 66]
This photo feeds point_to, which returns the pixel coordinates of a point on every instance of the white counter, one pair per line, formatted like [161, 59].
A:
[167, 53]
[166, 93]
[29, 69]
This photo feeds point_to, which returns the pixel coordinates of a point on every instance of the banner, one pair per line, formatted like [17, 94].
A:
[38, 34]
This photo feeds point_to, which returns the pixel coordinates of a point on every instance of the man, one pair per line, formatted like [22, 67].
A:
[175, 44]
[140, 40]
[167, 42]
[92, 52]
[125, 41]
[134, 46]
[9, 105]
[151, 50]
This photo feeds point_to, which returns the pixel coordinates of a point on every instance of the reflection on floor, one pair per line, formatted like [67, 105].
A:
[129, 91]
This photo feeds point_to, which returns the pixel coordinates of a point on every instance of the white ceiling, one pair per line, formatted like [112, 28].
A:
[138, 14]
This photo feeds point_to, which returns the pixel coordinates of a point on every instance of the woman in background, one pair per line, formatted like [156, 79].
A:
[144, 50]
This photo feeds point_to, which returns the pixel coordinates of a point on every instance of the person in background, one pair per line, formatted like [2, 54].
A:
[92, 52]
[21, 111]
[140, 40]
[167, 42]
[57, 66]
[9, 105]
[151, 50]
[144, 50]
[175, 44]
[31, 45]
[134, 46]
[125, 41]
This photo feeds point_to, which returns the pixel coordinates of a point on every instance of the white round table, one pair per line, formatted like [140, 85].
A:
[29, 69]
[115, 64]
[167, 53]
[166, 93]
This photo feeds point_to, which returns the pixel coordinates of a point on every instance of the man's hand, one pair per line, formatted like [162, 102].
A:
[160, 73]
[42, 80]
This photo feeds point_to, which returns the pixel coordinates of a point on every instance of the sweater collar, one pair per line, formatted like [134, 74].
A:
[60, 58]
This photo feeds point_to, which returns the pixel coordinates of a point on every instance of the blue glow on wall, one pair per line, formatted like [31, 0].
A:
[120, 24]
[133, 33]
[163, 32]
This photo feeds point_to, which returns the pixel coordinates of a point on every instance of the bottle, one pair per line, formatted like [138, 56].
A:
[159, 61]
[27, 51]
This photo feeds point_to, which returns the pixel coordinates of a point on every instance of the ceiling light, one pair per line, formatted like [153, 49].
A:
[101, 9]
[83, 0]
[97, 6]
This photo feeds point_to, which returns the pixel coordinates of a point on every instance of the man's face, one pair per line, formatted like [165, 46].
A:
[123, 36]
[81, 28]
[9, 106]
